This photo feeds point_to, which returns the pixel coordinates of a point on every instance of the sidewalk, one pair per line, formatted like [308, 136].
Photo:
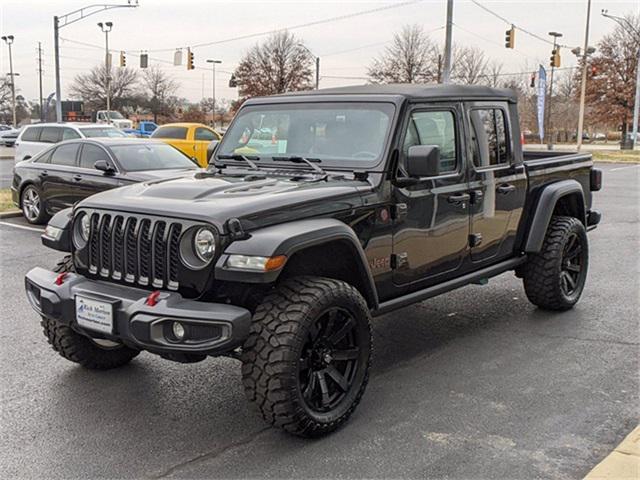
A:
[622, 463]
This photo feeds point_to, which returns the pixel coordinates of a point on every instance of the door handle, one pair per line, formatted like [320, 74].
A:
[505, 189]
[459, 199]
[44, 173]
[77, 178]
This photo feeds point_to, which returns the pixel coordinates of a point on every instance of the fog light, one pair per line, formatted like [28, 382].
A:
[178, 330]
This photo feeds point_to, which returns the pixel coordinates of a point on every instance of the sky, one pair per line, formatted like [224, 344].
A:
[345, 46]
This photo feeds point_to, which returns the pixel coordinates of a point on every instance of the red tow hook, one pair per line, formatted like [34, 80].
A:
[60, 278]
[152, 299]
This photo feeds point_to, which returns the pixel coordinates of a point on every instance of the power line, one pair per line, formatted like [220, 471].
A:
[523, 30]
[491, 41]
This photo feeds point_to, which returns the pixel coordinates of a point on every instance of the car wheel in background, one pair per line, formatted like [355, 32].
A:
[32, 205]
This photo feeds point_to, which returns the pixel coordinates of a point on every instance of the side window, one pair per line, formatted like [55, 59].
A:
[45, 157]
[489, 142]
[65, 155]
[179, 133]
[31, 134]
[50, 135]
[205, 134]
[90, 155]
[434, 128]
[69, 134]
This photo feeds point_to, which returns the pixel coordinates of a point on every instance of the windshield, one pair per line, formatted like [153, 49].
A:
[334, 133]
[135, 158]
[114, 115]
[103, 132]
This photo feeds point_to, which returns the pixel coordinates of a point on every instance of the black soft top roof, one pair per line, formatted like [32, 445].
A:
[414, 91]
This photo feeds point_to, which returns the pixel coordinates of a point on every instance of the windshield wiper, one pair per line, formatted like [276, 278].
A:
[237, 156]
[297, 159]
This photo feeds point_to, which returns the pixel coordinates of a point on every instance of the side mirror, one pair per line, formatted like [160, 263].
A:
[211, 149]
[104, 166]
[423, 161]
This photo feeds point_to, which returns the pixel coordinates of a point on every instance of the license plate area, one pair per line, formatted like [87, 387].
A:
[95, 314]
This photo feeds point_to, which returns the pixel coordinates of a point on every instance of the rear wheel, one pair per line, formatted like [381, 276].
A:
[91, 353]
[306, 361]
[33, 207]
[555, 277]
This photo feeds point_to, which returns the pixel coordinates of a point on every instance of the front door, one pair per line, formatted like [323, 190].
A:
[58, 187]
[203, 137]
[89, 180]
[497, 182]
[431, 232]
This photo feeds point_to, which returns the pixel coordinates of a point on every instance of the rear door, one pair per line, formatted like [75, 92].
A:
[497, 182]
[430, 239]
[59, 187]
[178, 136]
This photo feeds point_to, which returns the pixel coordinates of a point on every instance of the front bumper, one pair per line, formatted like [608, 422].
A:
[212, 328]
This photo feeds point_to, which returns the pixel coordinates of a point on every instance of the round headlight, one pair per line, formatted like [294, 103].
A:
[85, 227]
[204, 244]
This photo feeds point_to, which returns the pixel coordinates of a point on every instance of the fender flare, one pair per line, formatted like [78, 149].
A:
[547, 201]
[288, 239]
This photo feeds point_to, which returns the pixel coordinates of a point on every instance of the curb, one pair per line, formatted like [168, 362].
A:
[622, 463]
[10, 214]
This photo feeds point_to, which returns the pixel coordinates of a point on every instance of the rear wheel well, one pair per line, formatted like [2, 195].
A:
[337, 259]
[571, 205]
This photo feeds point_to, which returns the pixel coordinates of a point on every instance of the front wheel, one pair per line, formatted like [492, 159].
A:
[306, 360]
[555, 277]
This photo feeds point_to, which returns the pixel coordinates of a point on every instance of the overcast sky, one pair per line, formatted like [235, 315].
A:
[346, 46]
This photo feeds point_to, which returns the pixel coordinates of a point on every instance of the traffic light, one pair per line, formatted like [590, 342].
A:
[123, 59]
[144, 60]
[233, 83]
[555, 57]
[510, 38]
[533, 80]
[190, 65]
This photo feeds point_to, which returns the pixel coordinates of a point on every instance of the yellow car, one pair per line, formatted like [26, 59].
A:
[190, 138]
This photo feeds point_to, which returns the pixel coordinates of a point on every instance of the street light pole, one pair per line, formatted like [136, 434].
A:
[636, 104]
[555, 36]
[448, 45]
[583, 85]
[68, 19]
[106, 28]
[317, 64]
[213, 89]
[9, 40]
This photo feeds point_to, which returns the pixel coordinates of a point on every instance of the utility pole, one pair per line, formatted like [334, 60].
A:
[636, 105]
[40, 78]
[448, 45]
[555, 36]
[583, 84]
[67, 19]
[8, 39]
[106, 28]
[213, 89]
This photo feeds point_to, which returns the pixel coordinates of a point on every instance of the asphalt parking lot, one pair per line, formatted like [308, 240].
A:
[477, 383]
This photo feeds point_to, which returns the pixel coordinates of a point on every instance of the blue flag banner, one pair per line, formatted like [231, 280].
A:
[542, 90]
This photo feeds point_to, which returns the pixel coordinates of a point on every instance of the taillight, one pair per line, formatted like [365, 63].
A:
[595, 179]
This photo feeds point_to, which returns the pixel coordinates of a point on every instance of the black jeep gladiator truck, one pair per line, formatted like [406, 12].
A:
[319, 211]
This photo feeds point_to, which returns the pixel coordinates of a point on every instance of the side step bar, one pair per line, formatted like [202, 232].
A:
[429, 292]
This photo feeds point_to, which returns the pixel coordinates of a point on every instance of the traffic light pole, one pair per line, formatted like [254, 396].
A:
[583, 84]
[448, 45]
[553, 67]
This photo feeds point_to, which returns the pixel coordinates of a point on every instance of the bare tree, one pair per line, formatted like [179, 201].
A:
[5, 100]
[91, 87]
[159, 87]
[612, 73]
[280, 64]
[470, 66]
[411, 58]
[493, 76]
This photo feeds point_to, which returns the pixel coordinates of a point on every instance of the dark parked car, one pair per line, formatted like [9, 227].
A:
[361, 201]
[70, 171]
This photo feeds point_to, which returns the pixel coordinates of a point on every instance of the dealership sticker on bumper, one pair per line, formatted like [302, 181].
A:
[94, 314]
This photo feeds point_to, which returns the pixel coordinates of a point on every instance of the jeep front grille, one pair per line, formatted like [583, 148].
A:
[137, 250]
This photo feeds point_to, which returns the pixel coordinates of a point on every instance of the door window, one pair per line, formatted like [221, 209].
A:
[434, 128]
[50, 135]
[489, 144]
[65, 155]
[179, 133]
[69, 134]
[90, 155]
[205, 134]
[31, 134]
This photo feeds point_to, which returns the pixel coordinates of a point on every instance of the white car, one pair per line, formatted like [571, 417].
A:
[35, 138]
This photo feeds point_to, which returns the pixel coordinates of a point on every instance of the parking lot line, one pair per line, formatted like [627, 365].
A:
[623, 168]
[23, 227]
[623, 462]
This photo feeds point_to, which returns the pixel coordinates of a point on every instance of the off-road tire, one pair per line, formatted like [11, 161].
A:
[543, 272]
[280, 331]
[78, 348]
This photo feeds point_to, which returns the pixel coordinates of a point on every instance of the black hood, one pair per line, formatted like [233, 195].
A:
[217, 198]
